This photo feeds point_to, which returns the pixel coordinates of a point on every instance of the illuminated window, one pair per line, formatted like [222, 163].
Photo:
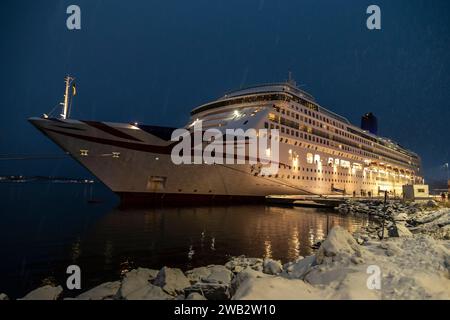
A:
[345, 164]
[316, 159]
[309, 158]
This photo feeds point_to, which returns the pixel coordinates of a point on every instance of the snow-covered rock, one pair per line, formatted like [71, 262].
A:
[299, 269]
[171, 280]
[237, 264]
[339, 241]
[195, 296]
[402, 230]
[197, 274]
[218, 274]
[46, 292]
[104, 291]
[211, 291]
[243, 276]
[134, 280]
[3, 296]
[431, 204]
[402, 216]
[275, 288]
[149, 292]
[272, 267]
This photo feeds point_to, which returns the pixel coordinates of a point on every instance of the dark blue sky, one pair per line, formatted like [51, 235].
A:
[153, 61]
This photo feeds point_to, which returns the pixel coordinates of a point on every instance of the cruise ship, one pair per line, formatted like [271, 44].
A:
[320, 152]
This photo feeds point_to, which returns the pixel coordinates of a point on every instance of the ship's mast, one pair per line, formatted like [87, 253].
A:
[291, 80]
[68, 81]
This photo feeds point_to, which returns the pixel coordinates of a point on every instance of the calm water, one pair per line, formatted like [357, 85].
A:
[47, 226]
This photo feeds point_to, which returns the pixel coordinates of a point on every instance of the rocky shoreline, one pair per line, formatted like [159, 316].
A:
[408, 244]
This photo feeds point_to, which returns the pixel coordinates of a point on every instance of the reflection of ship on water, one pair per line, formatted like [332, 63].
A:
[194, 236]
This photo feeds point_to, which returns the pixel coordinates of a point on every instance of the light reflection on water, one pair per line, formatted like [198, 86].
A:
[157, 236]
[47, 227]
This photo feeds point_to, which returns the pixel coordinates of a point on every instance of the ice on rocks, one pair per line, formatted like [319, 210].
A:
[103, 291]
[171, 280]
[46, 292]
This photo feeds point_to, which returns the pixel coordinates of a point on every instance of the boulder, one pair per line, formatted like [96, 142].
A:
[402, 231]
[211, 291]
[149, 292]
[402, 216]
[3, 296]
[104, 291]
[300, 268]
[46, 292]
[219, 274]
[431, 204]
[339, 241]
[197, 274]
[171, 280]
[272, 267]
[135, 280]
[243, 276]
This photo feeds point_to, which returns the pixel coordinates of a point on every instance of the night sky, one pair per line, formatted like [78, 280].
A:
[153, 61]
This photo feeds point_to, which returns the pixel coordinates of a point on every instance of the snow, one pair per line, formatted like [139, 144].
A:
[3, 297]
[339, 241]
[272, 267]
[275, 288]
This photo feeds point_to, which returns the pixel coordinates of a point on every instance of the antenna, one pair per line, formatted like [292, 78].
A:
[69, 81]
[291, 81]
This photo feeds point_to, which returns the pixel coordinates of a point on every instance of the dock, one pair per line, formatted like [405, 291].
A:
[313, 201]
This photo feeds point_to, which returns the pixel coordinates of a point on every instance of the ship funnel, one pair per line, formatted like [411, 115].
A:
[369, 123]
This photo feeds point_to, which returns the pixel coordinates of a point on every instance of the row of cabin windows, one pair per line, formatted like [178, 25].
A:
[310, 113]
[296, 177]
[334, 123]
[325, 141]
